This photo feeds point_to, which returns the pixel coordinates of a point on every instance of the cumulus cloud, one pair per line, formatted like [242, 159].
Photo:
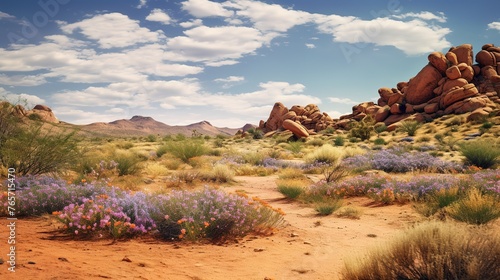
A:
[440, 17]
[494, 25]
[347, 101]
[113, 30]
[142, 3]
[6, 16]
[229, 81]
[412, 37]
[23, 99]
[22, 80]
[205, 8]
[159, 15]
[310, 46]
[191, 23]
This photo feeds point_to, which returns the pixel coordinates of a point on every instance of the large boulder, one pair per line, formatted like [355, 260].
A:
[439, 61]
[275, 117]
[458, 93]
[296, 128]
[420, 88]
[463, 53]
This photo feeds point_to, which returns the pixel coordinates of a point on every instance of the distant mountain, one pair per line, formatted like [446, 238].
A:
[140, 126]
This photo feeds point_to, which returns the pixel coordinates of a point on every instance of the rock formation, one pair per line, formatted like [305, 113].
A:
[449, 84]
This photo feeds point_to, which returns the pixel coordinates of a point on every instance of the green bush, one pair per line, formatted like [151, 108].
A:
[294, 147]
[184, 150]
[433, 250]
[291, 188]
[325, 154]
[476, 208]
[379, 141]
[480, 153]
[128, 163]
[410, 127]
[35, 151]
[339, 141]
[363, 129]
[326, 208]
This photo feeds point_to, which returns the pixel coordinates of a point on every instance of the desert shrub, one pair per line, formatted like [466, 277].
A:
[155, 169]
[35, 151]
[291, 188]
[316, 142]
[151, 138]
[44, 195]
[219, 173]
[397, 159]
[325, 154]
[213, 214]
[327, 207]
[256, 133]
[379, 128]
[184, 149]
[480, 153]
[127, 163]
[350, 212]
[410, 127]
[363, 129]
[291, 173]
[339, 141]
[294, 147]
[334, 173]
[432, 250]
[379, 141]
[125, 145]
[475, 208]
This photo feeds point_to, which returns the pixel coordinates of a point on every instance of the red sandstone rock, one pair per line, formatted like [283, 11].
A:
[296, 128]
[452, 58]
[274, 122]
[463, 53]
[421, 86]
[453, 72]
[439, 61]
[485, 58]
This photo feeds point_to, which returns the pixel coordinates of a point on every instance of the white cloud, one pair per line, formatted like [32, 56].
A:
[115, 110]
[205, 8]
[22, 80]
[191, 23]
[412, 37]
[269, 17]
[6, 16]
[310, 46]
[213, 44]
[23, 99]
[335, 114]
[440, 17]
[159, 15]
[113, 30]
[347, 101]
[230, 79]
[142, 3]
[494, 25]
[82, 117]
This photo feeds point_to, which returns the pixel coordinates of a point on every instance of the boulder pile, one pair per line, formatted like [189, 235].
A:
[39, 112]
[301, 121]
[450, 83]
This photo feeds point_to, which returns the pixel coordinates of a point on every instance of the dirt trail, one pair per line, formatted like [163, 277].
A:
[307, 247]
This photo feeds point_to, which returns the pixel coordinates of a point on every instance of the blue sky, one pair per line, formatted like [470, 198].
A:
[226, 62]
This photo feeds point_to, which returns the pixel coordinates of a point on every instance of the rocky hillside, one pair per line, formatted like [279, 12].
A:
[449, 83]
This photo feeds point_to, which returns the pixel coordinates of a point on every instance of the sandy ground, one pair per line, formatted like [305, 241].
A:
[307, 247]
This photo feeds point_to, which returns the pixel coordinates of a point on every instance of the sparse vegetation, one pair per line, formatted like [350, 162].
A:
[432, 250]
[480, 153]
[410, 127]
[475, 208]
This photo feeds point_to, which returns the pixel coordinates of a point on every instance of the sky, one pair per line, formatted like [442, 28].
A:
[226, 62]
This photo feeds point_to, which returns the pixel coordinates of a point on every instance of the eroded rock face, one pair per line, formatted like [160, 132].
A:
[420, 88]
[296, 128]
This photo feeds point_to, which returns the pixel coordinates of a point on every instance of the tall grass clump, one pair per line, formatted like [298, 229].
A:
[433, 250]
[327, 207]
[184, 150]
[480, 153]
[128, 163]
[325, 154]
[410, 127]
[291, 188]
[219, 173]
[475, 208]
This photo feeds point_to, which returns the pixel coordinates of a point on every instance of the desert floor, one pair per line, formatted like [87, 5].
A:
[306, 247]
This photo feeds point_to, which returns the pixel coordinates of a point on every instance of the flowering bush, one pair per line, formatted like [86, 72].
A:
[98, 215]
[213, 214]
[400, 161]
[42, 195]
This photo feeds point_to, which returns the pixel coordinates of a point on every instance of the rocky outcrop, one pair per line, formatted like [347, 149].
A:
[449, 84]
[42, 113]
[301, 121]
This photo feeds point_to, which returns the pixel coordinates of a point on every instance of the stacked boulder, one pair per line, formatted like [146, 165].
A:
[301, 121]
[449, 84]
